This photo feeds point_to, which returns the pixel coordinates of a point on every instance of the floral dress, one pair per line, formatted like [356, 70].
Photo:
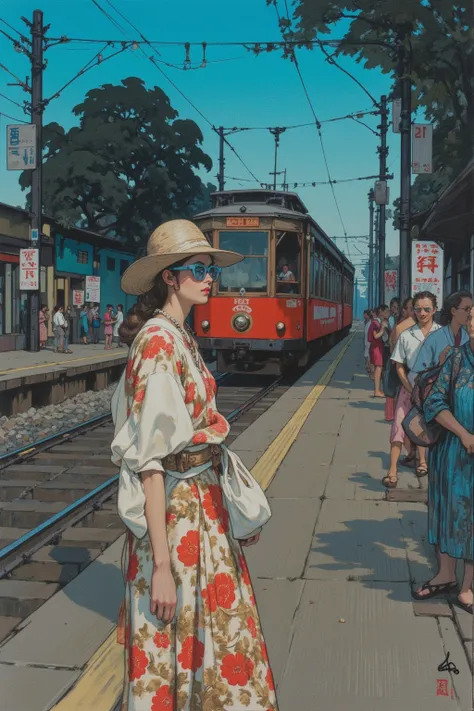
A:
[212, 657]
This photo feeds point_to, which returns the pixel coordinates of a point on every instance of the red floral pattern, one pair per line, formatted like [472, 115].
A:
[214, 507]
[252, 627]
[200, 438]
[190, 393]
[225, 590]
[192, 653]
[161, 640]
[237, 669]
[155, 345]
[163, 699]
[138, 663]
[188, 549]
[132, 571]
[244, 570]
[269, 680]
[210, 597]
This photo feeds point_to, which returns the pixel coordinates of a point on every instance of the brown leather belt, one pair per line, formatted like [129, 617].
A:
[184, 461]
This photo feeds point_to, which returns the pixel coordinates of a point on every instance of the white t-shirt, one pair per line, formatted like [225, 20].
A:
[408, 346]
[58, 319]
[287, 276]
[118, 323]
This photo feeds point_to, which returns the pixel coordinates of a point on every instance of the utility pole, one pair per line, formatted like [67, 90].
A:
[277, 133]
[383, 153]
[371, 250]
[220, 175]
[376, 259]
[405, 171]
[37, 67]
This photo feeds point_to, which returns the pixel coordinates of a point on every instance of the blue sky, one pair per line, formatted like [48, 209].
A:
[236, 89]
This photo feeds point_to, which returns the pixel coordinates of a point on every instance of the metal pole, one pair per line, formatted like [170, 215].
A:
[370, 296]
[383, 153]
[220, 175]
[37, 177]
[276, 132]
[376, 259]
[405, 172]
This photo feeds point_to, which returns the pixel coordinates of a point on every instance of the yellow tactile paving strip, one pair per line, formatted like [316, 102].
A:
[100, 685]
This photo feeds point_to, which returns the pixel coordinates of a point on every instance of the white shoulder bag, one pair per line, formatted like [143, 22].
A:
[245, 501]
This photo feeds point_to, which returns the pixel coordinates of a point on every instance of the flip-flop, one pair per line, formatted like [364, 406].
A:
[434, 590]
[466, 606]
[421, 471]
[390, 481]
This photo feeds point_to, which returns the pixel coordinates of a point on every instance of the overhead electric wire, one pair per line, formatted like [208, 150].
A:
[317, 124]
[181, 93]
[330, 59]
[20, 82]
[13, 29]
[12, 118]
[7, 98]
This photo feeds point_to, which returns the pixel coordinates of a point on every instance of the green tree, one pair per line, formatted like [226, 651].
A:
[129, 165]
[442, 42]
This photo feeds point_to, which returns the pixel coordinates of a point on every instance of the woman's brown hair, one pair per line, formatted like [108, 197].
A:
[146, 305]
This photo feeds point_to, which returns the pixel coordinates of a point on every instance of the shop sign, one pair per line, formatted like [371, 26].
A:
[77, 297]
[243, 222]
[29, 270]
[21, 147]
[391, 285]
[427, 268]
[422, 142]
[93, 289]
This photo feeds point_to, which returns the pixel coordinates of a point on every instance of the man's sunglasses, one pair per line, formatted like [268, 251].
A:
[200, 271]
[421, 309]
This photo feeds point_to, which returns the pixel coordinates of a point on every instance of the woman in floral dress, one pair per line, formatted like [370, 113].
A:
[193, 638]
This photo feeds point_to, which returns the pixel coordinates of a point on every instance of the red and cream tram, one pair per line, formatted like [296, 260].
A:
[292, 293]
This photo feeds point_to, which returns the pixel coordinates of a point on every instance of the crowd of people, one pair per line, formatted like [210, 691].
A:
[425, 368]
[90, 324]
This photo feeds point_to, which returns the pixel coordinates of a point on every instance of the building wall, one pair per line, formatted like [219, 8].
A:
[70, 256]
[112, 265]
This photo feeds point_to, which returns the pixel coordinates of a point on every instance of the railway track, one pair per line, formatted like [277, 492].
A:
[58, 500]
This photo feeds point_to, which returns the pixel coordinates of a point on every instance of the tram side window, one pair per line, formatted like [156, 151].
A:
[316, 275]
[288, 263]
[251, 273]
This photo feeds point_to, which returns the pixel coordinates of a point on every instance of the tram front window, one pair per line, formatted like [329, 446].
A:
[251, 273]
[288, 263]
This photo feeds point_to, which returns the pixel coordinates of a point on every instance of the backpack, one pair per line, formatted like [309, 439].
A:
[420, 432]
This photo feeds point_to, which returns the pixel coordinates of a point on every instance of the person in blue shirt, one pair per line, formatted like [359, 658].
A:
[84, 324]
[454, 315]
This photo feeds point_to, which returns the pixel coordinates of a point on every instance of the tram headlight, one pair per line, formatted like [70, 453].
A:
[280, 327]
[205, 325]
[241, 322]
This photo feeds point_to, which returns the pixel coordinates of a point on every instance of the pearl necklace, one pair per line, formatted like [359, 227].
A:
[186, 334]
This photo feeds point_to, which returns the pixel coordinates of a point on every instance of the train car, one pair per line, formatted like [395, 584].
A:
[291, 294]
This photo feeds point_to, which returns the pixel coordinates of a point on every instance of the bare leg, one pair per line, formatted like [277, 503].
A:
[377, 380]
[422, 467]
[466, 595]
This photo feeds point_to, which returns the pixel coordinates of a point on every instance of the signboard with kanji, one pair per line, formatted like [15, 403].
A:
[427, 268]
[243, 222]
[422, 147]
[21, 147]
[29, 270]
[93, 289]
[391, 285]
[77, 297]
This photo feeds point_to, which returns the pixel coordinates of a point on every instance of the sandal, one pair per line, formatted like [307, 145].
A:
[466, 606]
[435, 590]
[421, 470]
[390, 481]
[68, 351]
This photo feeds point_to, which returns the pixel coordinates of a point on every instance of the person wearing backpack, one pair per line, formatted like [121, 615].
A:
[404, 355]
[450, 403]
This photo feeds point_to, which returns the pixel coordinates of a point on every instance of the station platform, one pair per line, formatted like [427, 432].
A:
[332, 574]
[47, 378]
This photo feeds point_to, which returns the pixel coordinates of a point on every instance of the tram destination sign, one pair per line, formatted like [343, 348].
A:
[243, 222]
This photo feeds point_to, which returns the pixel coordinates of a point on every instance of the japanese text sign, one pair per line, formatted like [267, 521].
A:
[427, 268]
[422, 140]
[21, 147]
[243, 222]
[29, 270]
[396, 115]
[77, 297]
[391, 285]
[93, 289]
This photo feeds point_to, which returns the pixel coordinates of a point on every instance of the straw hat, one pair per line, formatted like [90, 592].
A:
[170, 243]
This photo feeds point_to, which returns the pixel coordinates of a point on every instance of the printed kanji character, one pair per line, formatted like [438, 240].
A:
[442, 688]
[426, 262]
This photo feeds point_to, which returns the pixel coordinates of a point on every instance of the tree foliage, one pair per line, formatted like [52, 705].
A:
[129, 165]
[442, 52]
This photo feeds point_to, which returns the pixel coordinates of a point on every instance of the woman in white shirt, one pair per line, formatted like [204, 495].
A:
[118, 322]
[404, 355]
[59, 328]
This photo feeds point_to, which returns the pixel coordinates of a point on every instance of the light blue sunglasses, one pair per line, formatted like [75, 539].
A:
[200, 271]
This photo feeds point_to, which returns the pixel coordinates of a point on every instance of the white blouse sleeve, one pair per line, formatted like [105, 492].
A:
[162, 426]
